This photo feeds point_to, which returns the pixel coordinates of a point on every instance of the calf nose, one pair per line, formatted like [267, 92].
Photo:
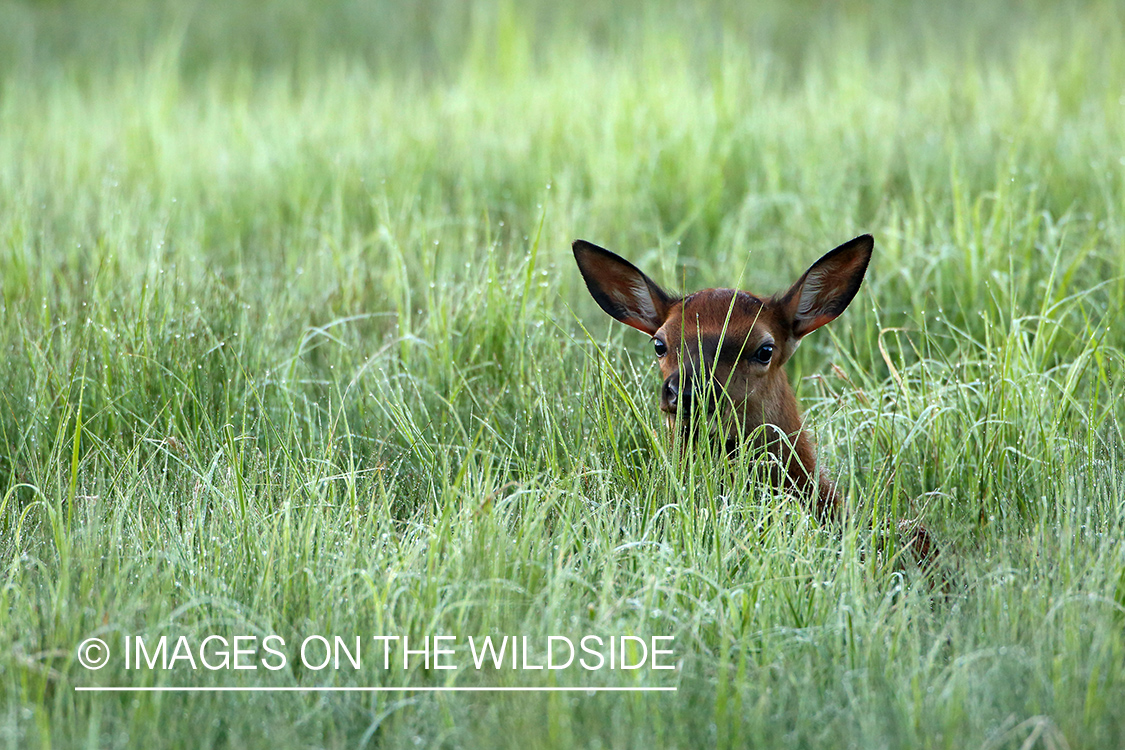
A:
[669, 395]
[675, 394]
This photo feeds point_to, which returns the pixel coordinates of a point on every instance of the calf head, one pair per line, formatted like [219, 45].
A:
[722, 352]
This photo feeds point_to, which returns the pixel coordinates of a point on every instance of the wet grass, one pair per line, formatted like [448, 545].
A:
[294, 344]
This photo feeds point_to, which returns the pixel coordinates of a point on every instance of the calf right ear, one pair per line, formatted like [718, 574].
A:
[828, 286]
[621, 288]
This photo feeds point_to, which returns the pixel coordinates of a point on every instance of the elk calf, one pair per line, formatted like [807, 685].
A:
[722, 352]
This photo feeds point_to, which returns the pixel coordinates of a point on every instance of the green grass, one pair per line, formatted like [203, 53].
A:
[293, 343]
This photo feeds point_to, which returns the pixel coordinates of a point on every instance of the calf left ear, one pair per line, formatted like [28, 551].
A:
[622, 289]
[827, 287]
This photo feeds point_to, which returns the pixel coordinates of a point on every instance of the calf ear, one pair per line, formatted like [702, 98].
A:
[827, 287]
[621, 288]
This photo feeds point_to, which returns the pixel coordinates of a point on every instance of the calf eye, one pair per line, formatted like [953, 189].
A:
[660, 346]
[764, 353]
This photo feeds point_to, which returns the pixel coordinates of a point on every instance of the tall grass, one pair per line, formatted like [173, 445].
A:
[294, 344]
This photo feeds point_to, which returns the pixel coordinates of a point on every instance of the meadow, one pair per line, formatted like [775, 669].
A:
[293, 342]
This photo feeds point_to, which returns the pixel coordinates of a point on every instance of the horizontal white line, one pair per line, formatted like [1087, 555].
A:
[327, 689]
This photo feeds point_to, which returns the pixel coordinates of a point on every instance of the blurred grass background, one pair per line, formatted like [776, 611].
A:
[294, 343]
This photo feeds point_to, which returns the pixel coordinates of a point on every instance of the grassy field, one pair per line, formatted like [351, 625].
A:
[293, 343]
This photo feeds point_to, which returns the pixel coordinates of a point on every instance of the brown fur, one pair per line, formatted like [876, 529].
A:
[711, 339]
